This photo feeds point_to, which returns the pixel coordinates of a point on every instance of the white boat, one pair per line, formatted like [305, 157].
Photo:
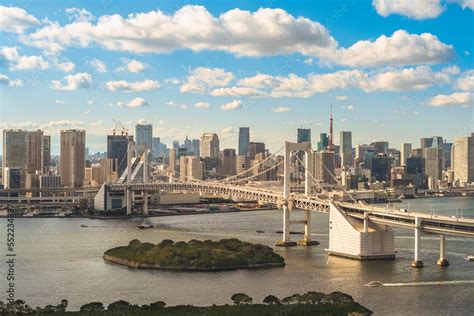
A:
[146, 224]
[470, 258]
[374, 284]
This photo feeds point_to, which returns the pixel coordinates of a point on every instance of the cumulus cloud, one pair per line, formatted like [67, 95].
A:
[469, 4]
[4, 80]
[388, 79]
[131, 65]
[233, 105]
[466, 81]
[457, 98]
[201, 79]
[79, 15]
[135, 103]
[415, 9]
[16, 20]
[341, 97]
[59, 101]
[124, 86]
[281, 109]
[16, 61]
[202, 105]
[348, 107]
[98, 65]
[62, 123]
[66, 66]
[97, 123]
[80, 80]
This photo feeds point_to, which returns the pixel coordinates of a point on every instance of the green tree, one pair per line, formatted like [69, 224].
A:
[157, 305]
[92, 307]
[271, 299]
[241, 298]
[119, 306]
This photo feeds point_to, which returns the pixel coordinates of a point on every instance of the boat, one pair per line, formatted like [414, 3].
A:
[146, 224]
[84, 225]
[470, 258]
[374, 284]
[260, 231]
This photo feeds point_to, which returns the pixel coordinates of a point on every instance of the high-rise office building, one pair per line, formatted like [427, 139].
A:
[15, 146]
[323, 141]
[244, 141]
[426, 142]
[242, 163]
[209, 145]
[380, 169]
[433, 162]
[347, 158]
[463, 159]
[405, 152]
[380, 147]
[190, 168]
[172, 160]
[229, 160]
[447, 147]
[46, 153]
[34, 161]
[156, 147]
[195, 146]
[72, 161]
[117, 146]
[188, 145]
[303, 135]
[255, 149]
[323, 166]
[144, 135]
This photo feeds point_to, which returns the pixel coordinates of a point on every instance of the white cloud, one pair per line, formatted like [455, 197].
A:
[466, 82]
[202, 105]
[4, 80]
[19, 62]
[135, 103]
[131, 65]
[80, 80]
[59, 101]
[341, 97]
[97, 123]
[98, 65]
[235, 91]
[348, 107]
[281, 109]
[400, 49]
[415, 9]
[66, 66]
[456, 98]
[228, 131]
[233, 105]
[174, 81]
[309, 61]
[90, 102]
[61, 123]
[79, 15]
[124, 86]
[16, 20]
[466, 4]
[201, 79]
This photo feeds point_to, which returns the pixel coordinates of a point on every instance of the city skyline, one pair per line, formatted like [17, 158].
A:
[208, 83]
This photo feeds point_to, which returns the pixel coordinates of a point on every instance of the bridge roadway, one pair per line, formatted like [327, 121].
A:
[393, 218]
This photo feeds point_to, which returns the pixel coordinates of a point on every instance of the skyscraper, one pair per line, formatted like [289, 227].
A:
[323, 166]
[14, 149]
[209, 145]
[229, 160]
[244, 141]
[303, 135]
[72, 161]
[405, 152]
[188, 145]
[256, 148]
[144, 135]
[117, 149]
[323, 141]
[433, 162]
[190, 168]
[34, 152]
[463, 159]
[46, 153]
[156, 147]
[195, 146]
[347, 158]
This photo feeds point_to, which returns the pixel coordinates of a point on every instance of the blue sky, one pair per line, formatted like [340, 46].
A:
[393, 71]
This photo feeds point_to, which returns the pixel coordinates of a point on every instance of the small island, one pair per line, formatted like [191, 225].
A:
[195, 255]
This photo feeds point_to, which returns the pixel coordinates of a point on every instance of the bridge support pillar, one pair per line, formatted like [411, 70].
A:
[145, 203]
[306, 241]
[442, 262]
[417, 263]
[286, 242]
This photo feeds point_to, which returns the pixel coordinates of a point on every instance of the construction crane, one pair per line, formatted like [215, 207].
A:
[123, 129]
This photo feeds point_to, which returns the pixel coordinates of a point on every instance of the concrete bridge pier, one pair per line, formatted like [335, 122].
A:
[442, 262]
[145, 203]
[417, 263]
[306, 241]
[286, 242]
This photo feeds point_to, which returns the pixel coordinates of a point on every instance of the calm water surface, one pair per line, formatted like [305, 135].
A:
[57, 259]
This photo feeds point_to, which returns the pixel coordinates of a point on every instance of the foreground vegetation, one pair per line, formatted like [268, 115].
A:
[310, 303]
[195, 255]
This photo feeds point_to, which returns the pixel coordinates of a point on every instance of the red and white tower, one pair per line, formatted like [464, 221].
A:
[331, 135]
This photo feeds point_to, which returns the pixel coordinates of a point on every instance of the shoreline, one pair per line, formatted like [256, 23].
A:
[138, 265]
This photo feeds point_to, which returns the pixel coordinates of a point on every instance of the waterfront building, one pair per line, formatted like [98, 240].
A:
[46, 153]
[12, 178]
[190, 168]
[463, 159]
[117, 149]
[172, 160]
[209, 145]
[49, 181]
[433, 162]
[380, 168]
[72, 157]
[405, 152]
[144, 136]
[244, 141]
